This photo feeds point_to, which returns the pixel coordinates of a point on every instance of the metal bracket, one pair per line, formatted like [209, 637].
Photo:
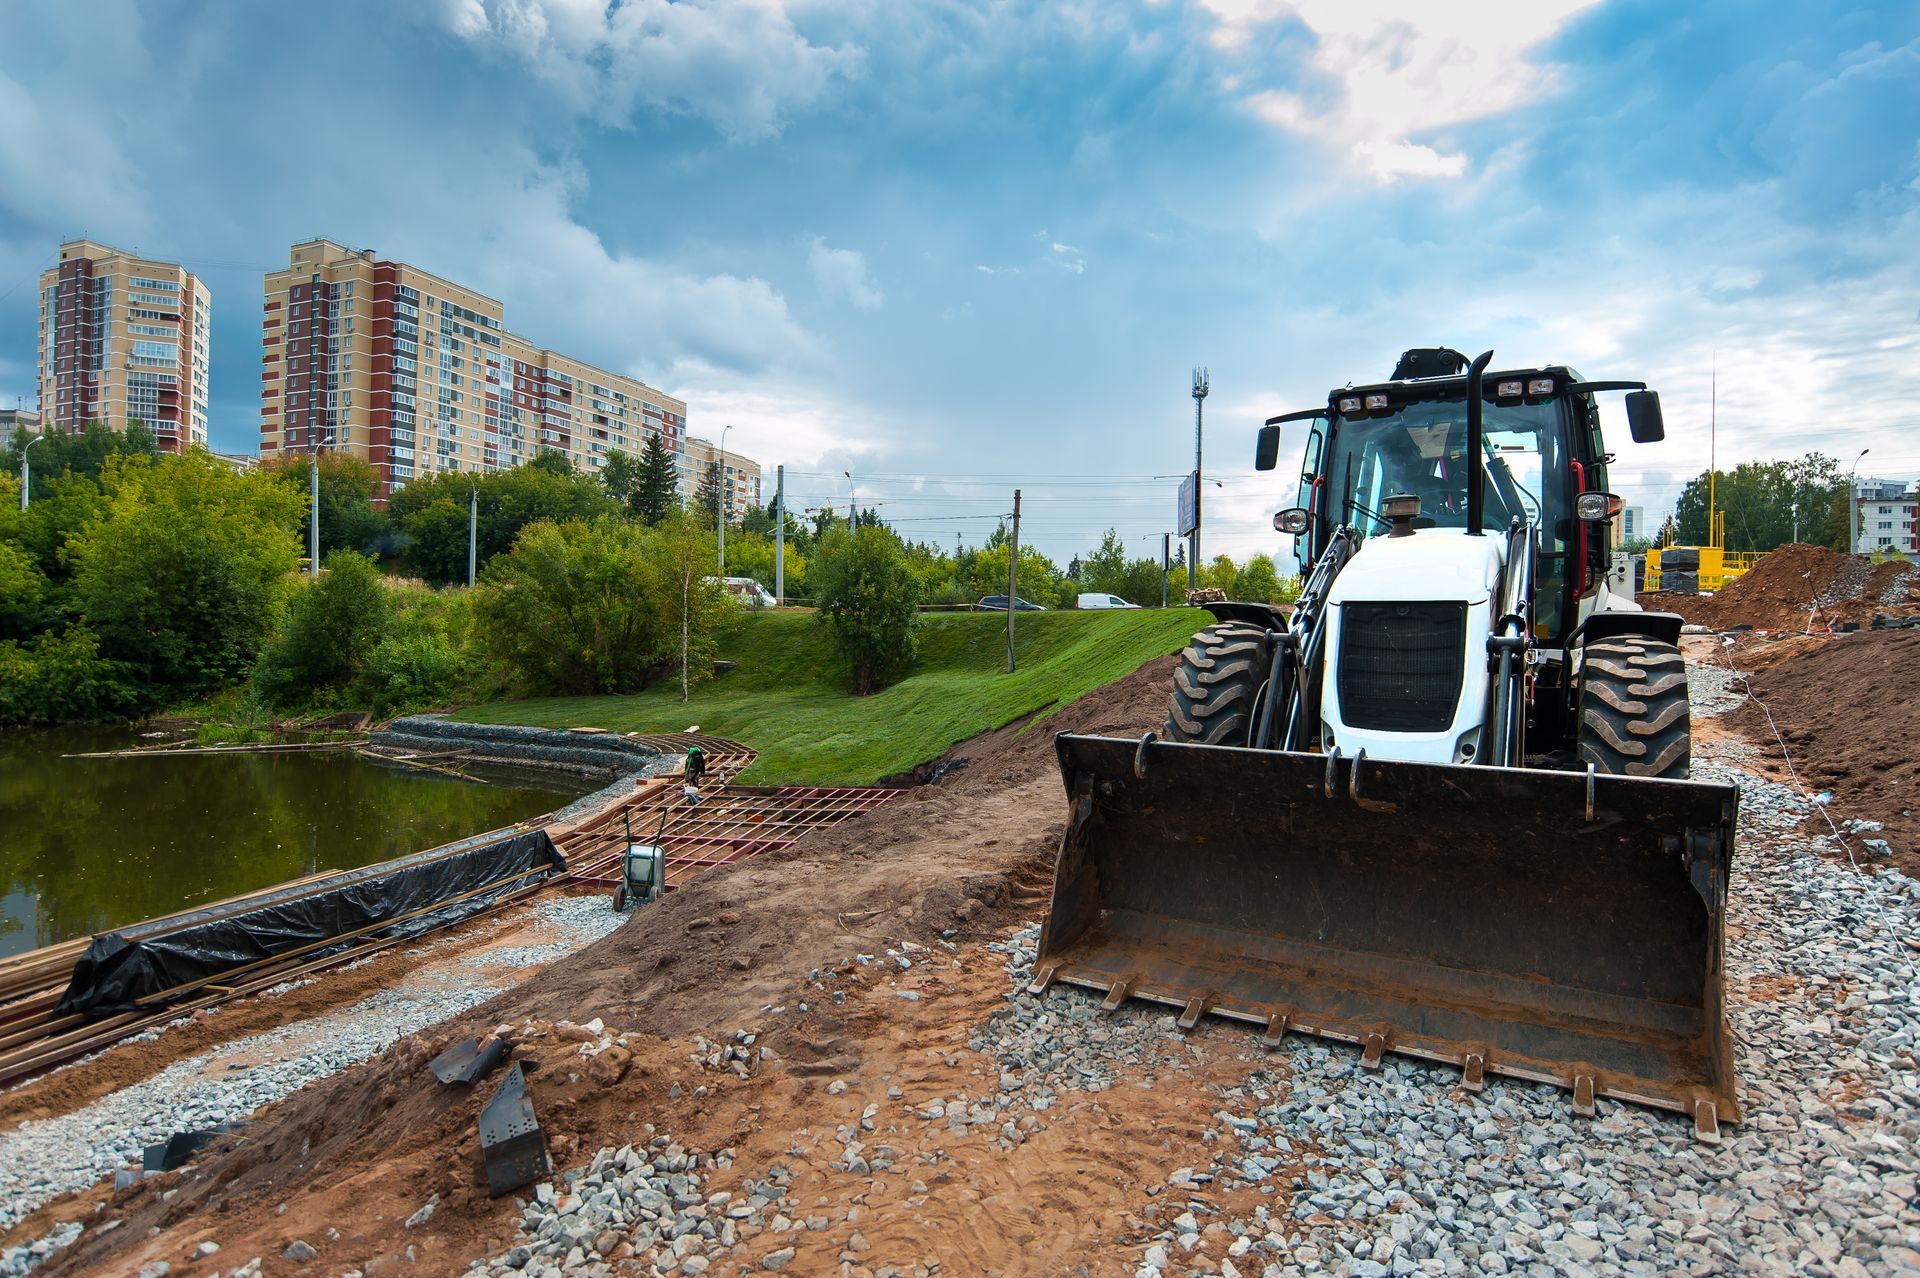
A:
[1353, 777]
[465, 1061]
[1197, 1006]
[1042, 977]
[1583, 1095]
[1333, 759]
[1276, 1029]
[1706, 1122]
[1119, 992]
[1375, 1050]
[1473, 1072]
[511, 1142]
[1140, 756]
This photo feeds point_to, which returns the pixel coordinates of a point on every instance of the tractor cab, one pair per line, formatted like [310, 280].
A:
[1540, 450]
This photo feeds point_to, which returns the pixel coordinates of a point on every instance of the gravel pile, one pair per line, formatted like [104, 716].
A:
[44, 1158]
[1397, 1171]
[647, 1204]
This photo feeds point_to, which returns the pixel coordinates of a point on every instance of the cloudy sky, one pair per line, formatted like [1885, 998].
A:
[955, 247]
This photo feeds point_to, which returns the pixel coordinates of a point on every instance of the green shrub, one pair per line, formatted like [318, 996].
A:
[61, 677]
[405, 673]
[867, 597]
[332, 627]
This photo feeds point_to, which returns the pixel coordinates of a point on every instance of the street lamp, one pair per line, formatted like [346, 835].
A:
[1853, 504]
[852, 502]
[26, 475]
[726, 500]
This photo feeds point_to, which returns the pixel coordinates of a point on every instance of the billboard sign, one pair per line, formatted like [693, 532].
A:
[1187, 517]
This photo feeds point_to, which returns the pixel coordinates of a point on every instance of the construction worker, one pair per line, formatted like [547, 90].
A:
[696, 768]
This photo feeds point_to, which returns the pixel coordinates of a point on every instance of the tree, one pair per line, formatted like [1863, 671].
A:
[348, 517]
[686, 594]
[1766, 503]
[432, 513]
[1104, 571]
[657, 492]
[867, 597]
[579, 608]
[83, 453]
[620, 476]
[709, 501]
[183, 575]
[332, 628]
[1040, 581]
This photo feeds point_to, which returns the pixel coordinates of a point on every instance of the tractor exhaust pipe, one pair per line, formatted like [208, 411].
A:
[1476, 459]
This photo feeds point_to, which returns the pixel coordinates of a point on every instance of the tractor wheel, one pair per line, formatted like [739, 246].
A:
[620, 899]
[1216, 687]
[1633, 708]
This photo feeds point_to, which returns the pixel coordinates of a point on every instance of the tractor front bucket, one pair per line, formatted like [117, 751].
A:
[1559, 927]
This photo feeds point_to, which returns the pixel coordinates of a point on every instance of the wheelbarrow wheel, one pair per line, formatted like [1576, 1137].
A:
[620, 899]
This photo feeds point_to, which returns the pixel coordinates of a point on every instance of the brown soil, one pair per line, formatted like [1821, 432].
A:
[1781, 591]
[733, 951]
[1849, 711]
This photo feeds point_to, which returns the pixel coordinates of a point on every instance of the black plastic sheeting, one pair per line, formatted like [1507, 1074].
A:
[121, 969]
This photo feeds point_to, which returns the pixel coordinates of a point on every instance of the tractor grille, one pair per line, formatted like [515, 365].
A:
[1401, 664]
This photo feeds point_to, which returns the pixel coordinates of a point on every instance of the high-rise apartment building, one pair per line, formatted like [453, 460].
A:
[124, 338]
[419, 375]
[739, 476]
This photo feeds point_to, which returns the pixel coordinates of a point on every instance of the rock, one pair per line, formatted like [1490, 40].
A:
[425, 1213]
[609, 1067]
[777, 1259]
[202, 1250]
[155, 1269]
[299, 1251]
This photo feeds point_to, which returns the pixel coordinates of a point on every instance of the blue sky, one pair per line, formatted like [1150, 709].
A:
[955, 247]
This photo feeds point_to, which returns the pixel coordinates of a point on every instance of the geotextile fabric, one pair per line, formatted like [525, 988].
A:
[154, 963]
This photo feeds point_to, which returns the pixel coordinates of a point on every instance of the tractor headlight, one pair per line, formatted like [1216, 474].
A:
[1594, 508]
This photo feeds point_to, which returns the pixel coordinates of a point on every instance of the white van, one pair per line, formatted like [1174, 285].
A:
[1102, 601]
[748, 591]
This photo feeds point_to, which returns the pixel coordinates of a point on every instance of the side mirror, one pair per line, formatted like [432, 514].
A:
[1291, 520]
[1595, 508]
[1643, 417]
[1266, 450]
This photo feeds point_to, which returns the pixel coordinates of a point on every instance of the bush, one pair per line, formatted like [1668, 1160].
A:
[867, 595]
[333, 626]
[23, 592]
[580, 608]
[60, 678]
[405, 673]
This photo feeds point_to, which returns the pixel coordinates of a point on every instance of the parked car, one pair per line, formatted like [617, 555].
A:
[998, 603]
[1101, 601]
[748, 591]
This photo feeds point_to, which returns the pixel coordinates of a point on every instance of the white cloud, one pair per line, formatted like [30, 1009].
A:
[1394, 73]
[45, 182]
[843, 273]
[738, 64]
[779, 419]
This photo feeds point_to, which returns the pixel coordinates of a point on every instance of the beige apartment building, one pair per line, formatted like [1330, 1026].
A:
[124, 338]
[419, 375]
[741, 475]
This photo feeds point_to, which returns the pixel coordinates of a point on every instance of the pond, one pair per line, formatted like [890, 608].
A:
[92, 844]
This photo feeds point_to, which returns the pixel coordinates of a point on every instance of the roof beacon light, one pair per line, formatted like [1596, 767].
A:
[1376, 403]
[1506, 390]
[1540, 386]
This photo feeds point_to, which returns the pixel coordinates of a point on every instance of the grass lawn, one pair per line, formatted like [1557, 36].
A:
[787, 697]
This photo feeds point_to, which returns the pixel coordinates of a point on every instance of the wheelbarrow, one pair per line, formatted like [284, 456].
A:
[643, 873]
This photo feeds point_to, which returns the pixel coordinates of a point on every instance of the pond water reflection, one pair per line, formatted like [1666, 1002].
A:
[92, 844]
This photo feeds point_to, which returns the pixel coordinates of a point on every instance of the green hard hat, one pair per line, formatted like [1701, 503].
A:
[693, 750]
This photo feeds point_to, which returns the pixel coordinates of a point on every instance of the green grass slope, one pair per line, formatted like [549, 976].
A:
[788, 700]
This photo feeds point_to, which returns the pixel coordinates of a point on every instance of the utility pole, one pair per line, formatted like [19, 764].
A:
[780, 537]
[313, 508]
[473, 530]
[1166, 564]
[1013, 577]
[1854, 523]
[1201, 385]
[726, 500]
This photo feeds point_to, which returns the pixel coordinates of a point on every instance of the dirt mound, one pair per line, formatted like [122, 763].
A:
[953, 861]
[1849, 710]
[1785, 588]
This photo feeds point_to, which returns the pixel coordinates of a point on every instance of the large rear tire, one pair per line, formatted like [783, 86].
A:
[1633, 708]
[1216, 687]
